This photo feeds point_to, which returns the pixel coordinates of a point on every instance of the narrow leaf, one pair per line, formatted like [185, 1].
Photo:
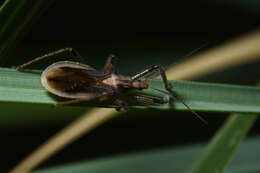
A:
[24, 87]
[163, 160]
[224, 144]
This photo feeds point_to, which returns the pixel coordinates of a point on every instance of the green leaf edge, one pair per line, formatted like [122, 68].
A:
[24, 87]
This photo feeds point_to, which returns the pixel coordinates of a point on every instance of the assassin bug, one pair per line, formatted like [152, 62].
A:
[81, 83]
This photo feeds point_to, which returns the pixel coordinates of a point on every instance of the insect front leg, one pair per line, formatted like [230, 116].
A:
[110, 64]
[166, 86]
[149, 71]
[71, 53]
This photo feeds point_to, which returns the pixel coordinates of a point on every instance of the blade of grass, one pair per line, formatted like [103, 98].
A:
[16, 17]
[22, 87]
[166, 160]
[224, 144]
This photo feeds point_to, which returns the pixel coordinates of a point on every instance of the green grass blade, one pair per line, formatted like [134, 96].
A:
[164, 160]
[24, 87]
[223, 146]
[16, 17]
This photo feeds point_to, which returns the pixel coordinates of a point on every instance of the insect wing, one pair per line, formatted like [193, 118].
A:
[74, 80]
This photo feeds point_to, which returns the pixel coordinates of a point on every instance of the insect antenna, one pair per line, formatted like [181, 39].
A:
[181, 100]
[153, 75]
[194, 113]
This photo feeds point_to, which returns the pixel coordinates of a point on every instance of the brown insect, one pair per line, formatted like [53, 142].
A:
[80, 82]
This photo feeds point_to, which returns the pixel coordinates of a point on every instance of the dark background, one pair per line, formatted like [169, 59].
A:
[141, 34]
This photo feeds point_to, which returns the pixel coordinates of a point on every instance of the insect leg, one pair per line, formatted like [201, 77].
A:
[68, 102]
[122, 105]
[90, 97]
[165, 83]
[151, 100]
[109, 66]
[72, 53]
[149, 71]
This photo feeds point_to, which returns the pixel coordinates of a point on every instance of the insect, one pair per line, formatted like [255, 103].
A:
[79, 82]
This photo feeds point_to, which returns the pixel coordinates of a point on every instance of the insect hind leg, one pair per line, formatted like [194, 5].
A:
[71, 53]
